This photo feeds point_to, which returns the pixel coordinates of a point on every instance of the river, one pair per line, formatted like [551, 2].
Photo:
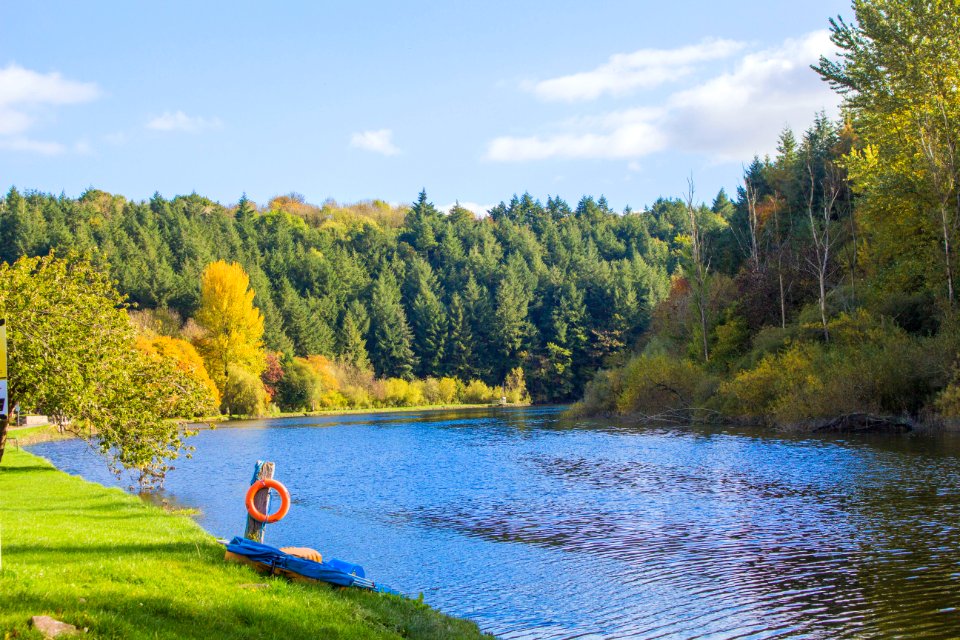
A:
[537, 527]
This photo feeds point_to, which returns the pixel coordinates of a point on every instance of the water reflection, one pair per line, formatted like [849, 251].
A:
[540, 528]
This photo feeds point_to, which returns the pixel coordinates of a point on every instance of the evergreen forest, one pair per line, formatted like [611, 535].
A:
[416, 293]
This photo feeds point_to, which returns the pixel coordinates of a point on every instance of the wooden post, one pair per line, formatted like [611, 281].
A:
[254, 530]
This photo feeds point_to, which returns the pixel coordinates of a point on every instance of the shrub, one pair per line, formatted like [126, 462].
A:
[447, 390]
[660, 384]
[298, 390]
[440, 390]
[357, 397]
[185, 355]
[600, 395]
[476, 392]
[244, 393]
[515, 387]
[400, 393]
[870, 365]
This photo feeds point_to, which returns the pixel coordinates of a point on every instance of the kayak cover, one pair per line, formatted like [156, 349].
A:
[338, 572]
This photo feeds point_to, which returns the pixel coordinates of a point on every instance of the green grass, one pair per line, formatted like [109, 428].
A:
[104, 560]
[23, 436]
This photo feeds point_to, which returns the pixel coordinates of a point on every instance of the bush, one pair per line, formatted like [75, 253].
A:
[431, 390]
[476, 392]
[298, 390]
[397, 392]
[244, 393]
[870, 365]
[600, 395]
[515, 387]
[357, 397]
[654, 385]
[447, 390]
[186, 357]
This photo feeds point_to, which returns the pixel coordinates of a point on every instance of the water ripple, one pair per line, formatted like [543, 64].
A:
[537, 528]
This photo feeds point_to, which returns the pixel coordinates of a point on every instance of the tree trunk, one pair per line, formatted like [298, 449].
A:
[5, 423]
[783, 302]
[823, 304]
[946, 251]
[703, 331]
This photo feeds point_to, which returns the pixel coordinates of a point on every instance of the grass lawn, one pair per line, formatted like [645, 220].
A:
[104, 560]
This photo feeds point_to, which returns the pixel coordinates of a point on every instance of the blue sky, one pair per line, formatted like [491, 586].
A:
[473, 101]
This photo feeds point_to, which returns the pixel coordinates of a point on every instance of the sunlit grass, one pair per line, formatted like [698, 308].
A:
[104, 560]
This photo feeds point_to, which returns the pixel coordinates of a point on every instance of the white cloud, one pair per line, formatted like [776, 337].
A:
[625, 72]
[26, 96]
[179, 121]
[19, 86]
[738, 114]
[378, 141]
[42, 147]
[730, 116]
[478, 209]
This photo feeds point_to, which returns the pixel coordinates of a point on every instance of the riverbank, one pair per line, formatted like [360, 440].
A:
[365, 410]
[104, 560]
[25, 436]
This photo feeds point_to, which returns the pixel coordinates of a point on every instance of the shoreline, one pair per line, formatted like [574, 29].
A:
[26, 436]
[350, 412]
[115, 566]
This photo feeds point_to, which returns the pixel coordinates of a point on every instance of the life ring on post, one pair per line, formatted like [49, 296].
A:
[284, 501]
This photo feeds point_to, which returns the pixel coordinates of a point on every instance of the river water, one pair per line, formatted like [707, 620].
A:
[537, 527]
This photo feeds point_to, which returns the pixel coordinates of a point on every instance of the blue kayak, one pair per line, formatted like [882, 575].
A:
[333, 571]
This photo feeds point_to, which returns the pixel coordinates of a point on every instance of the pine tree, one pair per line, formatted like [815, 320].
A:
[459, 352]
[569, 324]
[429, 329]
[480, 321]
[512, 326]
[310, 334]
[390, 336]
[420, 223]
[352, 338]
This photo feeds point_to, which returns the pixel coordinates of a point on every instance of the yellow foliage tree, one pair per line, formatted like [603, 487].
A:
[232, 326]
[326, 372]
[184, 354]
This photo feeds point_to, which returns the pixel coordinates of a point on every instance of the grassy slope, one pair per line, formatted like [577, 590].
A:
[99, 558]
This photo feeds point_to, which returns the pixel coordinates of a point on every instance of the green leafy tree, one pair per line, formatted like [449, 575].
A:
[898, 70]
[72, 356]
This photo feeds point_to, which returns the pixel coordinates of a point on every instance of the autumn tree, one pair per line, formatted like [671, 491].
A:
[232, 325]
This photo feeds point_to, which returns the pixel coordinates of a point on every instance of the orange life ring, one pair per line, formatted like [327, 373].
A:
[284, 500]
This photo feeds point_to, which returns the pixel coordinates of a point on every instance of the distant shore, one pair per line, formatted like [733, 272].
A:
[25, 436]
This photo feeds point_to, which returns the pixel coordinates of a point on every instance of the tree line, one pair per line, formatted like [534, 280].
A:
[411, 292]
